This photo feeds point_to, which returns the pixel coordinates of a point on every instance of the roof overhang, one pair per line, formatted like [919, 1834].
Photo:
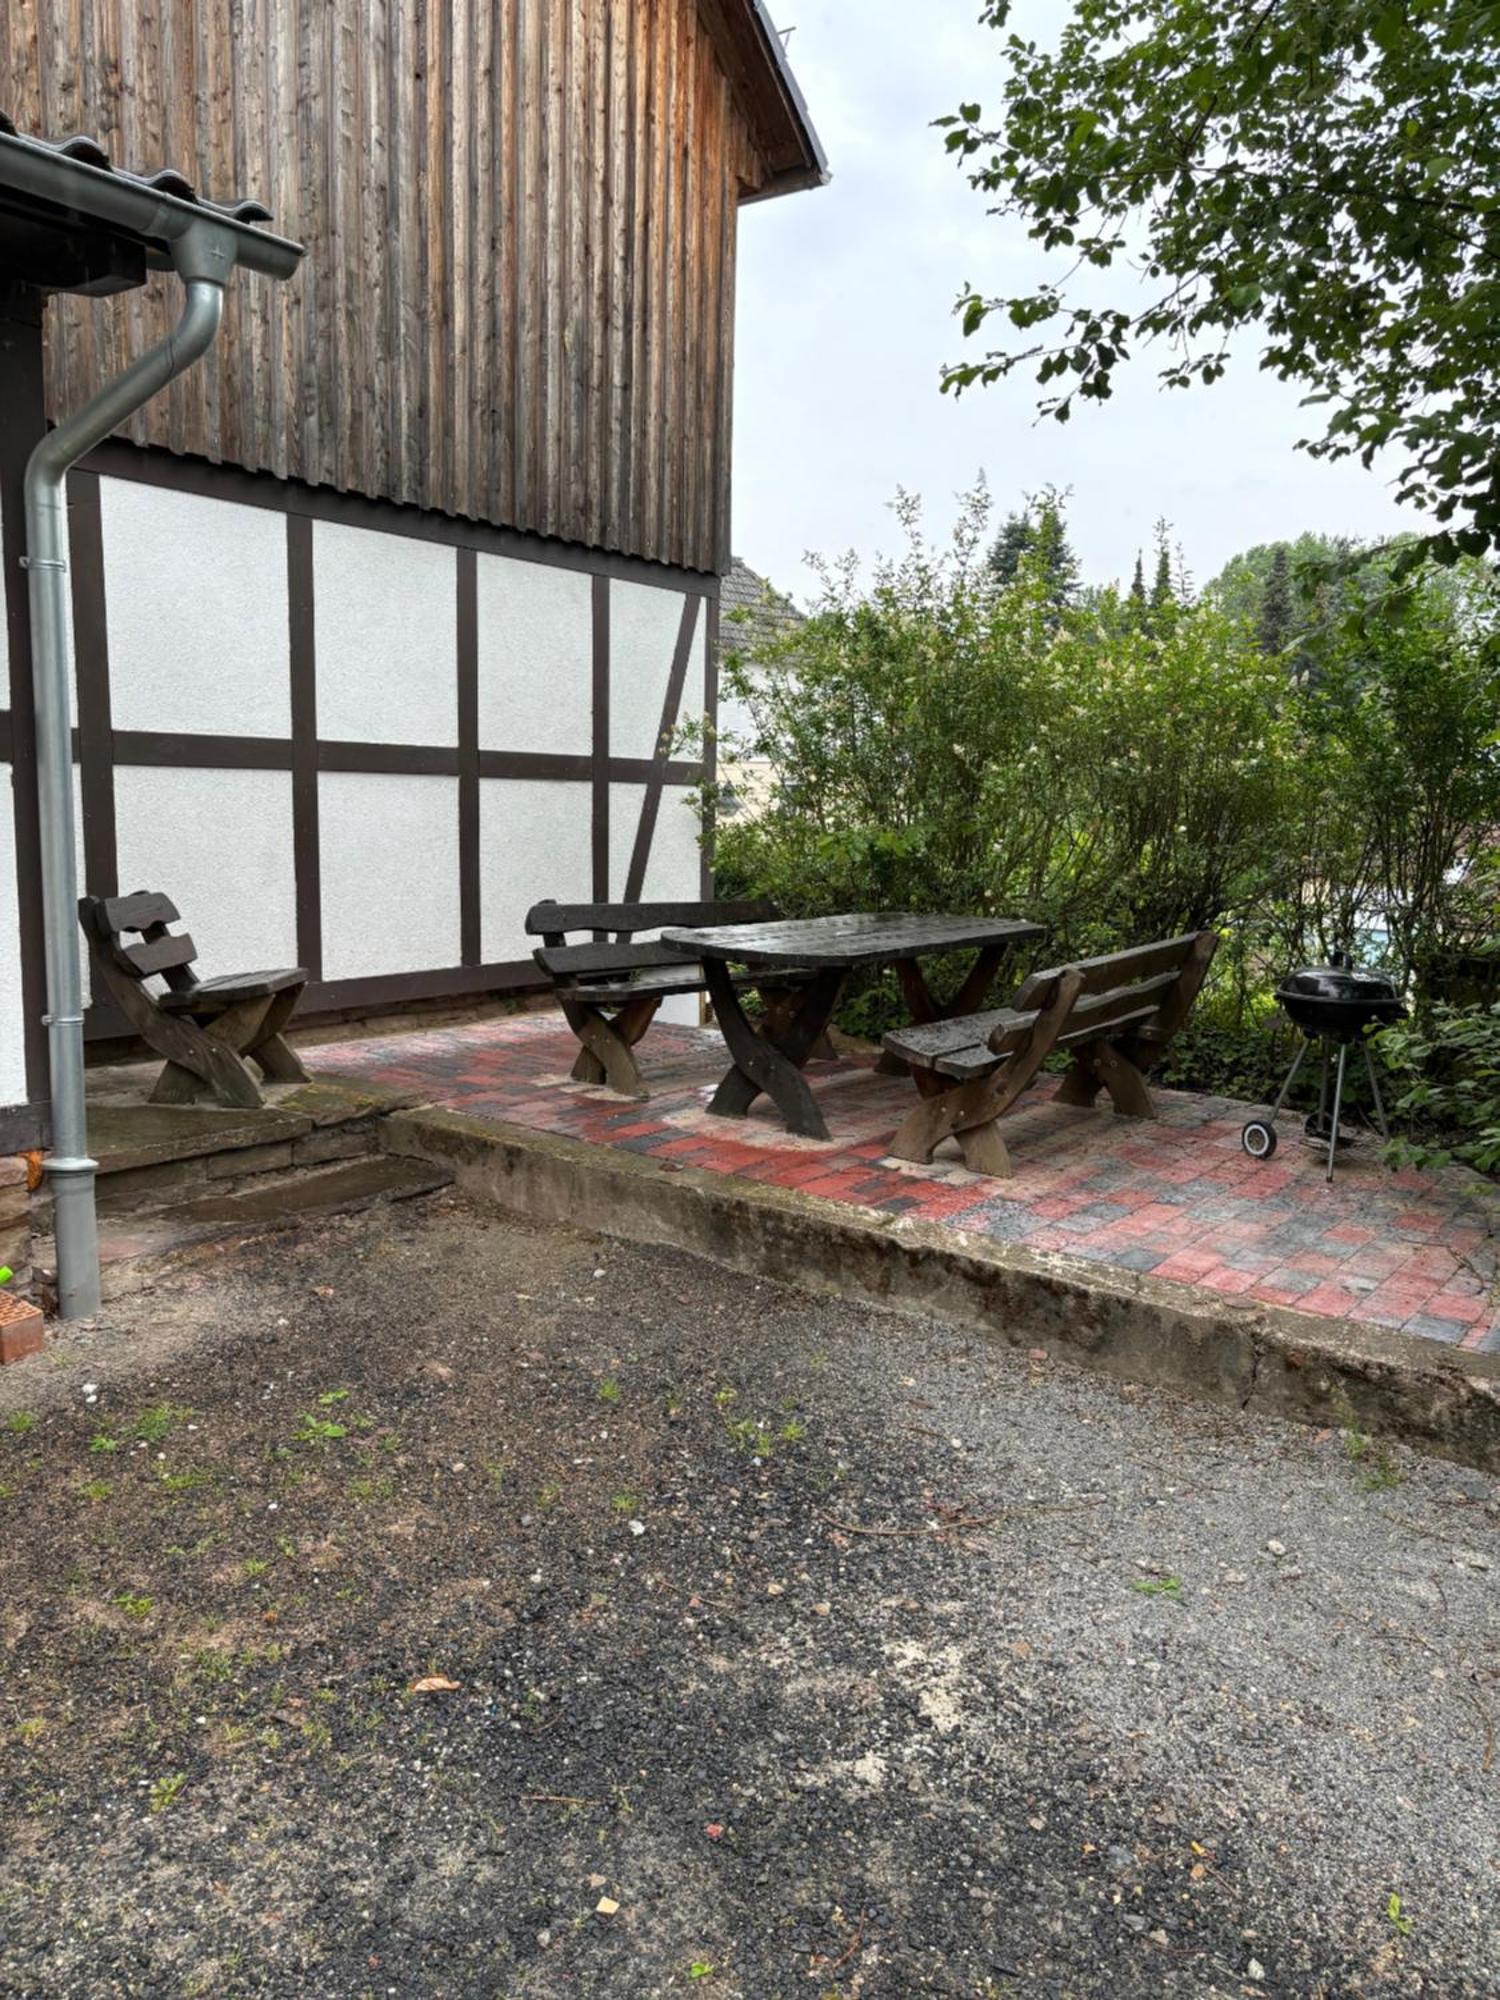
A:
[755, 61]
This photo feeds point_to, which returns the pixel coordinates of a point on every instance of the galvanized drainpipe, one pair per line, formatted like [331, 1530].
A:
[203, 258]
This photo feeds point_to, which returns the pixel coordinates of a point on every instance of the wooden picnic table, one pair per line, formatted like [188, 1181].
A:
[772, 1057]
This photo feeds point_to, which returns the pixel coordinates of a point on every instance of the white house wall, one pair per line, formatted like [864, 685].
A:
[359, 738]
[233, 880]
[169, 665]
[385, 627]
[535, 653]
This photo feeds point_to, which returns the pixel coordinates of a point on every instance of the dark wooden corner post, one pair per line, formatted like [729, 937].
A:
[22, 422]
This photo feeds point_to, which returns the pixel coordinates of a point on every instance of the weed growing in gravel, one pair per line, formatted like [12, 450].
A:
[331, 1396]
[1400, 1924]
[102, 1442]
[255, 1566]
[548, 1497]
[495, 1470]
[159, 1421]
[367, 1488]
[31, 1728]
[1157, 1586]
[318, 1430]
[1380, 1471]
[701, 1968]
[608, 1390]
[191, 1479]
[19, 1422]
[135, 1604]
[625, 1503]
[749, 1437]
[96, 1489]
[164, 1791]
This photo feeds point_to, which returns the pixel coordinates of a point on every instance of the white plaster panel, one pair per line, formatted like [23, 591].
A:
[536, 653]
[644, 621]
[534, 841]
[389, 874]
[386, 623]
[12, 1019]
[196, 595]
[220, 844]
[673, 869]
[674, 866]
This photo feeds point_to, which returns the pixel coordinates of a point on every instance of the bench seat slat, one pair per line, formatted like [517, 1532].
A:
[625, 919]
[229, 989]
[583, 961]
[685, 977]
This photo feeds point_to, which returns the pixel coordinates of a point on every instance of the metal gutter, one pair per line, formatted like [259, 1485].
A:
[155, 212]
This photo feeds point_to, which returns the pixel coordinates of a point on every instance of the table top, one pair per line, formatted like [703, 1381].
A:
[855, 938]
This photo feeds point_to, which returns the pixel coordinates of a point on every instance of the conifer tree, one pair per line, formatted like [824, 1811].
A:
[1276, 618]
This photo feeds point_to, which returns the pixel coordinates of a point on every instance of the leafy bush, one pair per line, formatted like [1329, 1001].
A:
[1450, 1068]
[946, 737]
[941, 741]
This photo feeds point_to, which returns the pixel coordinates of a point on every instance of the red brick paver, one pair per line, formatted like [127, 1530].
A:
[1177, 1198]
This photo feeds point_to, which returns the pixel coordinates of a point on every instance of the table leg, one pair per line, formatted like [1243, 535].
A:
[922, 1007]
[772, 1062]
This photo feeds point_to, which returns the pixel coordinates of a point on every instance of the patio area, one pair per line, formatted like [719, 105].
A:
[1178, 1199]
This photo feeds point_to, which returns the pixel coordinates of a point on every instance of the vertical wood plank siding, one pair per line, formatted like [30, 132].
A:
[517, 304]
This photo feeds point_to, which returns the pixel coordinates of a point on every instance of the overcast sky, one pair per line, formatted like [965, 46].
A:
[845, 320]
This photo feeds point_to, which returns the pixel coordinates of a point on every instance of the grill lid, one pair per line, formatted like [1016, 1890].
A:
[1340, 996]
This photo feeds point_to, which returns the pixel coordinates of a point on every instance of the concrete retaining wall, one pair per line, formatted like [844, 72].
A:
[1268, 1361]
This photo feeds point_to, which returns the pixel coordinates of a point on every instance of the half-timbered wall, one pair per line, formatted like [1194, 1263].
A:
[517, 302]
[366, 741]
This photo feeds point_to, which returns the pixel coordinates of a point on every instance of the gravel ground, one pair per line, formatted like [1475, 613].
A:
[791, 1648]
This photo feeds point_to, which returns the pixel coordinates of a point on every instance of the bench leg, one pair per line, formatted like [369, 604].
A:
[772, 1062]
[985, 1152]
[967, 1112]
[177, 1085]
[278, 1060]
[607, 1044]
[1102, 1066]
[1125, 1083]
[1080, 1086]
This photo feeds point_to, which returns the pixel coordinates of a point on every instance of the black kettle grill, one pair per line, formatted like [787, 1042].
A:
[1339, 1003]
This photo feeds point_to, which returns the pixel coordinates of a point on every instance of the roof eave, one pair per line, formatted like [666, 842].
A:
[760, 74]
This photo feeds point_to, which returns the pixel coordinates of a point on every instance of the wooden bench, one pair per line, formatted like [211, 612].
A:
[1114, 1015]
[610, 989]
[209, 1030]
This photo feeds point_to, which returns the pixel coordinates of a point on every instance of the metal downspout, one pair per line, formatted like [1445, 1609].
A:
[203, 261]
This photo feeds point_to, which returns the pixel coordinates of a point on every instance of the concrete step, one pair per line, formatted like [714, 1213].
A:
[288, 1197]
[132, 1242]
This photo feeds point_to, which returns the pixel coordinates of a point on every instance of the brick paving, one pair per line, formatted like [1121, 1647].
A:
[1177, 1198]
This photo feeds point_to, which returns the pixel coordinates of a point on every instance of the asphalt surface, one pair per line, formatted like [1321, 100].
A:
[791, 1649]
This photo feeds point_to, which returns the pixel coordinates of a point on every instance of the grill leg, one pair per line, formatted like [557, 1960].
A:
[1338, 1105]
[1323, 1089]
[1291, 1078]
[1385, 1130]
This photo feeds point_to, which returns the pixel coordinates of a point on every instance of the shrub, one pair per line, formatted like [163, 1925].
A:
[1449, 1066]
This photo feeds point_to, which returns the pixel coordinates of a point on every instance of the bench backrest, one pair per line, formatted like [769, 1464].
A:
[609, 954]
[1147, 991]
[146, 914]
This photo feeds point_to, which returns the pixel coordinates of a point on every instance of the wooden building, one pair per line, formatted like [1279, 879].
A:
[387, 616]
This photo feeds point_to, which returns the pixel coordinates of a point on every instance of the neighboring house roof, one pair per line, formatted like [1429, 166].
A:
[751, 612]
[755, 61]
